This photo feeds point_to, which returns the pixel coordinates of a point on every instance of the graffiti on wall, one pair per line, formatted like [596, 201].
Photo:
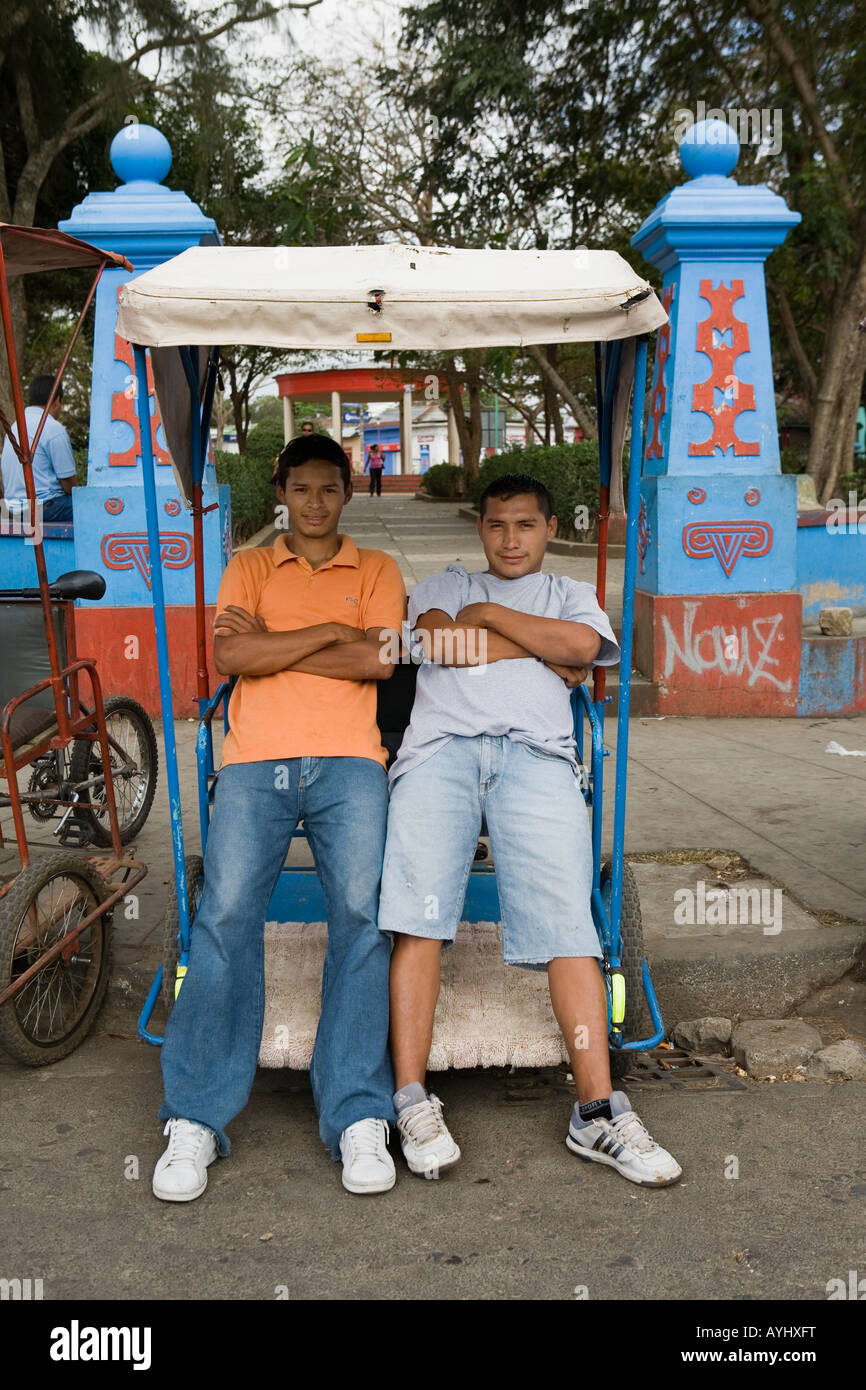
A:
[750, 650]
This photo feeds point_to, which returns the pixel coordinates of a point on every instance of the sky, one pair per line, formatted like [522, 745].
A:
[349, 28]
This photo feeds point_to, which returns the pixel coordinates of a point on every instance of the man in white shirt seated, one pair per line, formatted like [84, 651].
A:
[53, 462]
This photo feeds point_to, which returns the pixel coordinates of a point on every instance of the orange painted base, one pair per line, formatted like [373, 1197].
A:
[719, 654]
[123, 640]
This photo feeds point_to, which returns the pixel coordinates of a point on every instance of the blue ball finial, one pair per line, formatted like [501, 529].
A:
[709, 147]
[140, 152]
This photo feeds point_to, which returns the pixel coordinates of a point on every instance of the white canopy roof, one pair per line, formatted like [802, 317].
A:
[430, 297]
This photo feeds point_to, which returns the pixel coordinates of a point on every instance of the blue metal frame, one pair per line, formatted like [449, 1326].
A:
[200, 418]
[298, 890]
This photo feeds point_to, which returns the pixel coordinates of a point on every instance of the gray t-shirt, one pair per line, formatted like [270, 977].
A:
[521, 698]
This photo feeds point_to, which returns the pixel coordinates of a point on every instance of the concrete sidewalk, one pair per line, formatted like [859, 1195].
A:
[519, 1218]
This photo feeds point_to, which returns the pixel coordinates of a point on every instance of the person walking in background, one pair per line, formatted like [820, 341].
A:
[376, 465]
[53, 460]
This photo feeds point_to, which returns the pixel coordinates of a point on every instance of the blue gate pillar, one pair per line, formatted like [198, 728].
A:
[148, 223]
[718, 619]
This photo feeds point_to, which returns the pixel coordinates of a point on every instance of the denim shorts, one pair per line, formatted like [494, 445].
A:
[539, 833]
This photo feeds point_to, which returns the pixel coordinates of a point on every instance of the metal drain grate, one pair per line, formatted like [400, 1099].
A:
[673, 1067]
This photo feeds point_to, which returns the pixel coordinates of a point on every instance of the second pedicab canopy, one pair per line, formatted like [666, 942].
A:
[392, 296]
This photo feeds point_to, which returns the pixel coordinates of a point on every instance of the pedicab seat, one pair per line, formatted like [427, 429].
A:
[394, 699]
[25, 663]
[25, 648]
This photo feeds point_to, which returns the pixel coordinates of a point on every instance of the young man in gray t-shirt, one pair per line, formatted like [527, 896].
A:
[492, 734]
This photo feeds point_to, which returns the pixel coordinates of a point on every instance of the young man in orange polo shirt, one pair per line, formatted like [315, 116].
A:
[303, 625]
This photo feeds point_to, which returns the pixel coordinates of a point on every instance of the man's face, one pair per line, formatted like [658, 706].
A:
[307, 427]
[56, 407]
[514, 534]
[315, 496]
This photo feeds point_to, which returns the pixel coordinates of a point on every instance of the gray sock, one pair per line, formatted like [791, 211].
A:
[409, 1095]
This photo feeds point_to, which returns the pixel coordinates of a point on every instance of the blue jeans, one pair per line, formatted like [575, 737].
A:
[215, 1029]
[58, 509]
[539, 834]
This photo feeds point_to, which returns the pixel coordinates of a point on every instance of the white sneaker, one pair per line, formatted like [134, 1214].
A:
[427, 1144]
[624, 1144]
[367, 1164]
[181, 1174]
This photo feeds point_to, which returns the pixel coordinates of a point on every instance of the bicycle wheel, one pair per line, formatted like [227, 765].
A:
[134, 770]
[55, 1010]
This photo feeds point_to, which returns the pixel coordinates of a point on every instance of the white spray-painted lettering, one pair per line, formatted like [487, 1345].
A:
[758, 634]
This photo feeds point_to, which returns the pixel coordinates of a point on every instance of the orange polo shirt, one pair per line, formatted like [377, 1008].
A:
[291, 714]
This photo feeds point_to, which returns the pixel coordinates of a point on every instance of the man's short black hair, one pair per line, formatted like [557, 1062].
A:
[40, 390]
[305, 447]
[514, 485]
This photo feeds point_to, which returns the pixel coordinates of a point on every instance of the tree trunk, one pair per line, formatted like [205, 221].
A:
[18, 308]
[555, 413]
[840, 384]
[241, 411]
[549, 373]
[468, 431]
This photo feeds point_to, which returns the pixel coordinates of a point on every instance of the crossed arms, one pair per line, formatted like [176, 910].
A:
[566, 647]
[243, 646]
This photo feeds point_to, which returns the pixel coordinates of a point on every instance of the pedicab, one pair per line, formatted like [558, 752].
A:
[398, 298]
[92, 762]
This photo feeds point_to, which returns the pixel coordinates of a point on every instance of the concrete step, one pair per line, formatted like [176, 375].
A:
[644, 694]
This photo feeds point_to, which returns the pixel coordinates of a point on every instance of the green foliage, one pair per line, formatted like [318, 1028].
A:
[854, 481]
[568, 471]
[249, 476]
[793, 460]
[265, 440]
[266, 408]
[443, 480]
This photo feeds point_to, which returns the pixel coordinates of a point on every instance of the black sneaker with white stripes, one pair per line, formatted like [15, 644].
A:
[623, 1143]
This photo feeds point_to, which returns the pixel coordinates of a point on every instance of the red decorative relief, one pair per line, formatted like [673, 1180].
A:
[123, 408]
[721, 320]
[172, 507]
[126, 550]
[643, 534]
[727, 540]
[113, 505]
[659, 394]
[696, 496]
[752, 496]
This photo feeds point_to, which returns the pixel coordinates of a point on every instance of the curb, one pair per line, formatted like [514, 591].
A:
[752, 979]
[425, 497]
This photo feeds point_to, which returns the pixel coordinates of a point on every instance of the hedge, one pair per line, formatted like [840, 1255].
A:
[443, 480]
[253, 498]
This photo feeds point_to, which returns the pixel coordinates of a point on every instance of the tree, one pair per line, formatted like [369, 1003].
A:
[585, 99]
[57, 93]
